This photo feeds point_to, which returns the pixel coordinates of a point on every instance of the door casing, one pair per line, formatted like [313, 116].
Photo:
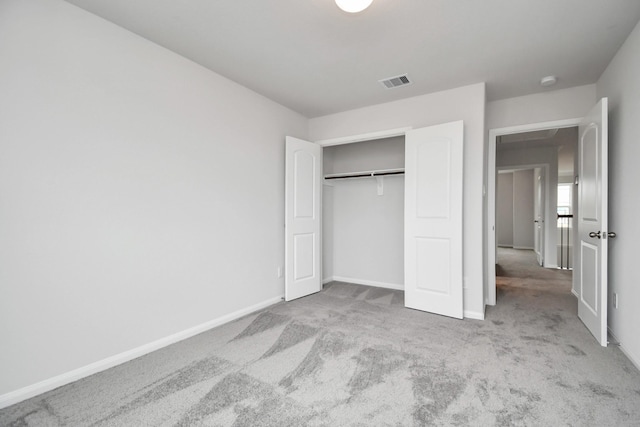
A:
[490, 226]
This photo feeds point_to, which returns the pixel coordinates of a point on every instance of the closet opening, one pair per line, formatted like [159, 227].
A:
[363, 213]
[369, 223]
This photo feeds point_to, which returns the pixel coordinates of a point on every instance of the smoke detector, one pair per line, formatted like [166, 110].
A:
[548, 81]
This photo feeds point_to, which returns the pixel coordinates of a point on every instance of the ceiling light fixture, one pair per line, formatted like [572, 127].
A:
[353, 6]
[548, 81]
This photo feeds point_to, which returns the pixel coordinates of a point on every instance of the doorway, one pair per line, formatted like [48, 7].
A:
[548, 151]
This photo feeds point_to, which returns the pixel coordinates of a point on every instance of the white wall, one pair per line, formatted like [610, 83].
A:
[541, 107]
[363, 235]
[465, 103]
[504, 209]
[523, 209]
[368, 232]
[142, 194]
[386, 153]
[621, 84]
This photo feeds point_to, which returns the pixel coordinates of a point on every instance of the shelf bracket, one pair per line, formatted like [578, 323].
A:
[380, 182]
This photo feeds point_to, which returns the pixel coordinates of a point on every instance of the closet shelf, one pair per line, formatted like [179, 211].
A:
[365, 174]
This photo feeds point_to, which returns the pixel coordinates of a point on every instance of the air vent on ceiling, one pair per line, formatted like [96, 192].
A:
[393, 82]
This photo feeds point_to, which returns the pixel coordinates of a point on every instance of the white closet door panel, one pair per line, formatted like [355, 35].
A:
[303, 193]
[433, 219]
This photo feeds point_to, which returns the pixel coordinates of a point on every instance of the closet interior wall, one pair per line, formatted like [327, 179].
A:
[363, 232]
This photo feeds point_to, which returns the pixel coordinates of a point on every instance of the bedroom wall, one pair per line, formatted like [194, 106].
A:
[541, 107]
[621, 84]
[142, 196]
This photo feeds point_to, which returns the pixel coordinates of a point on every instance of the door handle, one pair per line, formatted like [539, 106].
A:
[611, 235]
[593, 234]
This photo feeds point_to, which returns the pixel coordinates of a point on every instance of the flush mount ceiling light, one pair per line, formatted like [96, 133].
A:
[548, 81]
[353, 6]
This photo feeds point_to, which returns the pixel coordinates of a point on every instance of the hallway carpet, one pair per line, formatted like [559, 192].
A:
[354, 356]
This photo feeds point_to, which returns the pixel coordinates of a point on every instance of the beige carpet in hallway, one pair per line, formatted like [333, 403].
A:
[519, 267]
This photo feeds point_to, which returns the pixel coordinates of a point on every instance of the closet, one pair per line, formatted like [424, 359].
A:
[363, 213]
[393, 216]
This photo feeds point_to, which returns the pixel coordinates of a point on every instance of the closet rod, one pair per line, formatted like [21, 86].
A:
[366, 174]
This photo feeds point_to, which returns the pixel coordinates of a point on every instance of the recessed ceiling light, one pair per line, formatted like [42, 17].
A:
[548, 81]
[353, 6]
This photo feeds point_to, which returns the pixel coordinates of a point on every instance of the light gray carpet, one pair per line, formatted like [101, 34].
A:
[354, 356]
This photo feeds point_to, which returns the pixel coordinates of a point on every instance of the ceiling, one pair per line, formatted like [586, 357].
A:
[315, 59]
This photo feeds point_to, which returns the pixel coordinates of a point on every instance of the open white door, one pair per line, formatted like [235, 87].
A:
[303, 192]
[433, 219]
[539, 216]
[590, 273]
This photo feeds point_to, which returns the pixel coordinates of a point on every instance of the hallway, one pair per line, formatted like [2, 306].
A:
[519, 268]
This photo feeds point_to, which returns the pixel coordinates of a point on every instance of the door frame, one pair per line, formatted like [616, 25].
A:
[370, 136]
[490, 249]
[540, 202]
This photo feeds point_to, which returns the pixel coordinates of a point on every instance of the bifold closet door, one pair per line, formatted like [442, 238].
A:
[433, 219]
[303, 192]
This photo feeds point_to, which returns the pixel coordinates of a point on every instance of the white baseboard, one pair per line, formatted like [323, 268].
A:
[486, 303]
[368, 282]
[632, 357]
[327, 280]
[527, 248]
[574, 292]
[476, 315]
[30, 391]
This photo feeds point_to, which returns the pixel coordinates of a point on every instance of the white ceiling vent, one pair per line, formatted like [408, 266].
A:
[393, 82]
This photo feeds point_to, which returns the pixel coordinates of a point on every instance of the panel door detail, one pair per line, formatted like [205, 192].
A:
[303, 185]
[590, 273]
[433, 219]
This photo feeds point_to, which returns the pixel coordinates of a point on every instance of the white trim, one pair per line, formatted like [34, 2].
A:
[527, 248]
[476, 315]
[364, 137]
[491, 192]
[30, 391]
[399, 287]
[632, 357]
[574, 292]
